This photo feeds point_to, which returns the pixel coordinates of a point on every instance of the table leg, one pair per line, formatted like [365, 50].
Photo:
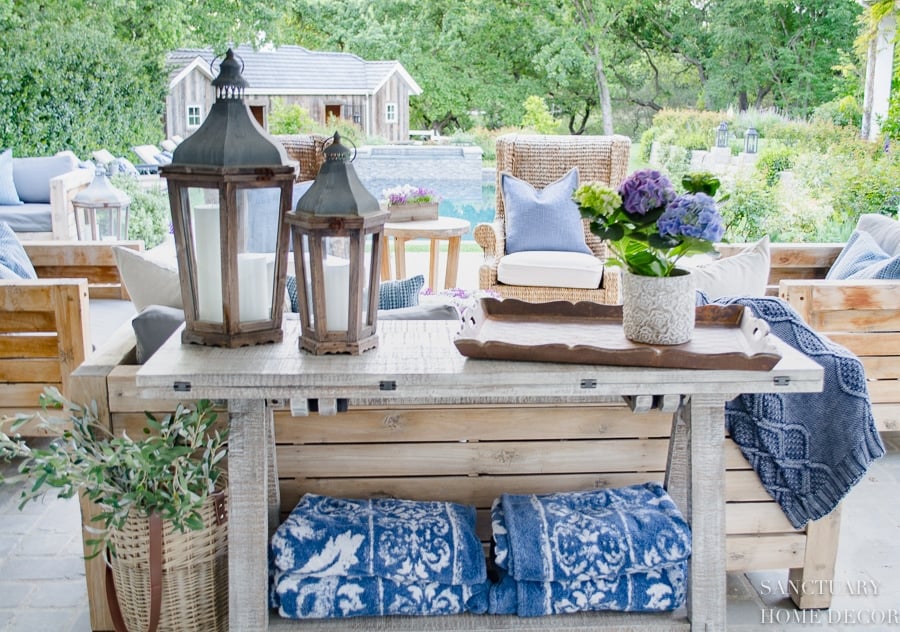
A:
[705, 421]
[453, 245]
[433, 251]
[400, 257]
[248, 527]
[386, 259]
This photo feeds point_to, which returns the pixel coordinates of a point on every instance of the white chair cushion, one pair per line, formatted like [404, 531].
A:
[550, 268]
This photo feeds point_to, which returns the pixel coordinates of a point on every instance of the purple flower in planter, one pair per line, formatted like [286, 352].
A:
[408, 194]
[646, 190]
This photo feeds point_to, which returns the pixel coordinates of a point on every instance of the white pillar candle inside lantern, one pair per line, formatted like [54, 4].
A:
[337, 292]
[253, 285]
[207, 245]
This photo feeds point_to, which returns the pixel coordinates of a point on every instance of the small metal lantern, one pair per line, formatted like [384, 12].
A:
[101, 210]
[230, 182]
[751, 141]
[722, 134]
[337, 231]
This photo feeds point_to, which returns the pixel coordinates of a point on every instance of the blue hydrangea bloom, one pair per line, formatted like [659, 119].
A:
[692, 215]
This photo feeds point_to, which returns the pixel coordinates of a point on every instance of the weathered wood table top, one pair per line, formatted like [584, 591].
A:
[416, 362]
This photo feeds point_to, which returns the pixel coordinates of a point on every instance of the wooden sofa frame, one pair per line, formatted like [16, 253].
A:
[606, 445]
[45, 323]
[863, 316]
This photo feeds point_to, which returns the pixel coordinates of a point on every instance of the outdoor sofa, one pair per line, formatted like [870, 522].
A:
[45, 187]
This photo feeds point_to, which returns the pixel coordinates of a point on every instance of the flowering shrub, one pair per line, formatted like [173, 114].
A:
[648, 226]
[408, 194]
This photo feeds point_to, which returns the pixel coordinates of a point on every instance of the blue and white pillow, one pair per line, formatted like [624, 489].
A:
[13, 255]
[542, 220]
[399, 294]
[8, 194]
[391, 294]
[862, 258]
[290, 287]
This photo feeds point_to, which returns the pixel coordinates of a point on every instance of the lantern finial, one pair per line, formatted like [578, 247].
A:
[230, 84]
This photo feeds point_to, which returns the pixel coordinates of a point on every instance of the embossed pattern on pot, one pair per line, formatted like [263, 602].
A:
[658, 310]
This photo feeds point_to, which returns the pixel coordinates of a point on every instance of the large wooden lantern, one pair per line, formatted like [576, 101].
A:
[224, 183]
[337, 231]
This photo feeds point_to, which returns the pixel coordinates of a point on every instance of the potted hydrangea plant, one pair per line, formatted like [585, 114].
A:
[407, 203]
[649, 227]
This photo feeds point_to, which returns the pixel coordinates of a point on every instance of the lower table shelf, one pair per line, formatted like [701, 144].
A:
[587, 621]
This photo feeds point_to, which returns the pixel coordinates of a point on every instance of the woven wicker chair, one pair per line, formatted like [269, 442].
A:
[541, 160]
[307, 150]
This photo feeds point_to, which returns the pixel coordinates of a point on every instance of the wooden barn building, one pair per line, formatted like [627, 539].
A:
[373, 94]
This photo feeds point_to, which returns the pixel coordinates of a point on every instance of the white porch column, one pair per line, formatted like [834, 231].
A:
[879, 68]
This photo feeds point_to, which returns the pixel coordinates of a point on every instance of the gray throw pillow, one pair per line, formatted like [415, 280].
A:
[152, 327]
[32, 176]
[8, 194]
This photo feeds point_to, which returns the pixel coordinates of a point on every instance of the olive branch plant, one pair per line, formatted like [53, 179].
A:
[170, 470]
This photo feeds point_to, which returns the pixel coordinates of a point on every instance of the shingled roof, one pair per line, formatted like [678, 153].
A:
[296, 70]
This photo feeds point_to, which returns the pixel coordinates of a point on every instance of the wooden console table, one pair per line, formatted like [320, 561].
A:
[416, 363]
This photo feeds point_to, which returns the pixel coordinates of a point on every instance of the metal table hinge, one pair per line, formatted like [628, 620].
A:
[387, 385]
[181, 387]
[588, 383]
[781, 380]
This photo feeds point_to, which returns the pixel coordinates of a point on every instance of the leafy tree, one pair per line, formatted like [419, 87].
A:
[82, 75]
[537, 116]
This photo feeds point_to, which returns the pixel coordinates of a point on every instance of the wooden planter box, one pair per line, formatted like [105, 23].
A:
[411, 212]
[435, 453]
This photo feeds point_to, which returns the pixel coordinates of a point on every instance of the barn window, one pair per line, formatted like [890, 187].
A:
[193, 116]
[390, 113]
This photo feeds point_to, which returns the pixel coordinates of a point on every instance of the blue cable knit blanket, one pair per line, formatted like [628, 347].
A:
[808, 449]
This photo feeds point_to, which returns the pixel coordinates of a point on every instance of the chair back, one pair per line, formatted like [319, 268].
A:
[541, 160]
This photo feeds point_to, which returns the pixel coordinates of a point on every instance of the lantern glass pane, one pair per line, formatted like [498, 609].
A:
[367, 274]
[307, 299]
[258, 225]
[206, 243]
[336, 270]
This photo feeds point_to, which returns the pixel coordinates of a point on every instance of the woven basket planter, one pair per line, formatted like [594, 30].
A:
[193, 574]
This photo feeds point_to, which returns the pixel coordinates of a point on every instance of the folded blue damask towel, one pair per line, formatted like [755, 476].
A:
[403, 540]
[338, 557]
[643, 591]
[299, 596]
[588, 535]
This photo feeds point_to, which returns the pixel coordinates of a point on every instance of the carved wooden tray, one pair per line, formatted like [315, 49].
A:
[726, 337]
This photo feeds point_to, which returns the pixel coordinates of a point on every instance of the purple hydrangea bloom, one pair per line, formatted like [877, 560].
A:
[692, 215]
[645, 190]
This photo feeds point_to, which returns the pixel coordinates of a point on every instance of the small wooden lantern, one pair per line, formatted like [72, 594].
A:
[337, 231]
[101, 210]
[224, 183]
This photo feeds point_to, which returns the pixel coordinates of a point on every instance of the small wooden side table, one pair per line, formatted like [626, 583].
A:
[450, 228]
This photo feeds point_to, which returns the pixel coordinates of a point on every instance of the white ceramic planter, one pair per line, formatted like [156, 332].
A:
[658, 310]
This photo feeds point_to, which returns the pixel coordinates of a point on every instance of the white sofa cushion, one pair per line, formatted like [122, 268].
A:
[546, 268]
[743, 274]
